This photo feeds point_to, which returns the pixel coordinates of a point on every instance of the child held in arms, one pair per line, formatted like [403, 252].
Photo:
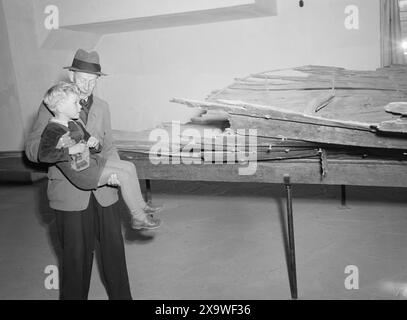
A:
[79, 160]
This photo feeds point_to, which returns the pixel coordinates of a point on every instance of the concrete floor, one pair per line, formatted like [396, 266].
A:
[226, 241]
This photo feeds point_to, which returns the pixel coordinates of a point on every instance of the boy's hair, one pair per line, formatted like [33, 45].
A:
[58, 93]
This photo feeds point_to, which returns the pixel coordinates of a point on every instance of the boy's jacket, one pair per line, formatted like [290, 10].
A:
[62, 194]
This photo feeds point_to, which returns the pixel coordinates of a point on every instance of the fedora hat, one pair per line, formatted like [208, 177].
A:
[87, 62]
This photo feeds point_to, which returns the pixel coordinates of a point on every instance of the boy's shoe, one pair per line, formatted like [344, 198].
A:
[152, 209]
[147, 222]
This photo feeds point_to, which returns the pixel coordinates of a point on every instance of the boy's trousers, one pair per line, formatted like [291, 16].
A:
[77, 232]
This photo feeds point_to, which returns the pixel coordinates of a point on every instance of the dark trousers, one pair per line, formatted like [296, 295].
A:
[77, 232]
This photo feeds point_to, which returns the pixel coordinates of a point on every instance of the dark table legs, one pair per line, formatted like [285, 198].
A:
[343, 195]
[292, 272]
[148, 191]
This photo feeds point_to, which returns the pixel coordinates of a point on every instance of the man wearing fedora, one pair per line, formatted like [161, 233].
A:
[83, 216]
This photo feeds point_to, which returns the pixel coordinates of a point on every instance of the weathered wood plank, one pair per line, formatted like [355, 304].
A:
[340, 172]
[394, 126]
[270, 121]
[317, 133]
[397, 108]
[359, 95]
[235, 107]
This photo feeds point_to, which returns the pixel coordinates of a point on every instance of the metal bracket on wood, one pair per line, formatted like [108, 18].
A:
[324, 162]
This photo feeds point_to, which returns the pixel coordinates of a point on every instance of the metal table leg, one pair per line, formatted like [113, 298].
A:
[343, 195]
[148, 191]
[290, 226]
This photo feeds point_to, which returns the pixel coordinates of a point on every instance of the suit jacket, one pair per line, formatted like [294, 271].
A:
[62, 194]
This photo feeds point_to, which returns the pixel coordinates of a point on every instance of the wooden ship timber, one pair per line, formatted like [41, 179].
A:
[327, 106]
[350, 126]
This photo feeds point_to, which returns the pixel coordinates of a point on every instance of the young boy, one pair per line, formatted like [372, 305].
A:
[67, 144]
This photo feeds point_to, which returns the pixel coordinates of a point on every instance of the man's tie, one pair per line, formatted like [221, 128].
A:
[83, 115]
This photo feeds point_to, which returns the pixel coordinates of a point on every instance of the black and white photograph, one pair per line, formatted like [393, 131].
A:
[202, 156]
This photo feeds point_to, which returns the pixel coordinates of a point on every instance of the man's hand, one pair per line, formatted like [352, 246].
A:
[92, 142]
[113, 180]
[77, 148]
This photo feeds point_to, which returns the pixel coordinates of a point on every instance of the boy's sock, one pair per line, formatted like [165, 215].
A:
[138, 214]
[152, 209]
[141, 220]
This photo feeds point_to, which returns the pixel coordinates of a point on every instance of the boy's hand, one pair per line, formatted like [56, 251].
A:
[92, 142]
[77, 148]
[65, 141]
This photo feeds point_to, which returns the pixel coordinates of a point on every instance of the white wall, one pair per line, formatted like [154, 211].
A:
[11, 125]
[36, 69]
[147, 68]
